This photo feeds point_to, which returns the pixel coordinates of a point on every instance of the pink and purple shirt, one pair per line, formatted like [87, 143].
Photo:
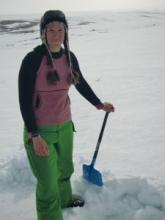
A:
[51, 101]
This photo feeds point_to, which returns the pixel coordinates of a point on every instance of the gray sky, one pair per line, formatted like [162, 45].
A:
[39, 6]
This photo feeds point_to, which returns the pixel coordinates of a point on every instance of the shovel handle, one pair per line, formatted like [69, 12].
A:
[99, 139]
[103, 127]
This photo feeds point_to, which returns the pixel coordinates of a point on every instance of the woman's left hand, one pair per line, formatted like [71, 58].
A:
[108, 107]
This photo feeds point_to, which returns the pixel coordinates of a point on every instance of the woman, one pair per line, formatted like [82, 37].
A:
[45, 77]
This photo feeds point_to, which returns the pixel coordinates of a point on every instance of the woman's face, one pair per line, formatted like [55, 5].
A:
[55, 34]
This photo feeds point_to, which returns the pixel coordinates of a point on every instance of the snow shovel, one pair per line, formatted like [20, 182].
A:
[89, 172]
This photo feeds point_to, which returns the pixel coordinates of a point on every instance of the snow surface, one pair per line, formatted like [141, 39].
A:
[122, 56]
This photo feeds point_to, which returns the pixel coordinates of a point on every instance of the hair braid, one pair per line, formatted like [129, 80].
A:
[74, 75]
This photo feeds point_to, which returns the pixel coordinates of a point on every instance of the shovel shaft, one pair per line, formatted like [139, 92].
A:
[99, 140]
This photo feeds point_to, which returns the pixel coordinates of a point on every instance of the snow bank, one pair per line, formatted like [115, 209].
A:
[16, 174]
[118, 199]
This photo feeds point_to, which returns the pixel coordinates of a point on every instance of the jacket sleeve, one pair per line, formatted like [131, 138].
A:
[83, 87]
[26, 82]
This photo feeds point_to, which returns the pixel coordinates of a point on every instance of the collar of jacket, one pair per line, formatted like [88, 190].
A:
[41, 49]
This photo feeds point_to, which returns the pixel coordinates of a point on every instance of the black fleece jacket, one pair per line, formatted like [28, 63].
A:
[26, 85]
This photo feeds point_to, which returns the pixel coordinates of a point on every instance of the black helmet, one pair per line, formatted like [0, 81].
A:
[52, 15]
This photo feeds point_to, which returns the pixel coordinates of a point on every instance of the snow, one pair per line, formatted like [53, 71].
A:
[121, 55]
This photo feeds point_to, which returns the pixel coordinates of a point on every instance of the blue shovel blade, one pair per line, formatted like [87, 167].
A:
[92, 175]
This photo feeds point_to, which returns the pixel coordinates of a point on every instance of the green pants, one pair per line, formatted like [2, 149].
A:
[53, 172]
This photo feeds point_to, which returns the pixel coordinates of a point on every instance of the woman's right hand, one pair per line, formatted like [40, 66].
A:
[40, 146]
